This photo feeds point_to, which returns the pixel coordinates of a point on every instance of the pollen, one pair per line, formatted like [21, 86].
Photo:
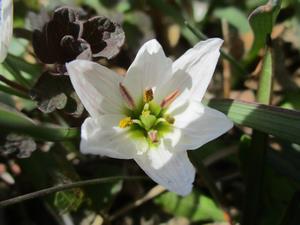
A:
[148, 95]
[125, 122]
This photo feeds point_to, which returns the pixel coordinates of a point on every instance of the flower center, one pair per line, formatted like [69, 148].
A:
[148, 119]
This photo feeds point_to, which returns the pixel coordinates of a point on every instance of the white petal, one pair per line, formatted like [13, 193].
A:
[199, 124]
[97, 87]
[102, 136]
[173, 171]
[149, 69]
[193, 70]
[6, 26]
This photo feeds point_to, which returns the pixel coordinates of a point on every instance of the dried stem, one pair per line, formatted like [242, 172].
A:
[154, 192]
[63, 187]
[226, 64]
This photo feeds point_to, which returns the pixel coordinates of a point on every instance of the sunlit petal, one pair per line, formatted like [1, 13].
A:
[6, 26]
[199, 124]
[193, 70]
[149, 69]
[102, 136]
[97, 87]
[173, 171]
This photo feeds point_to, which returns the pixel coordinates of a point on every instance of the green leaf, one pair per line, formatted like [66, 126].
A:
[235, 17]
[102, 195]
[70, 200]
[282, 123]
[265, 83]
[261, 21]
[22, 71]
[195, 206]
[14, 121]
[291, 100]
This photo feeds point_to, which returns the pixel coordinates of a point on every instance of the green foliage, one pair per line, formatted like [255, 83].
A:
[271, 155]
[196, 206]
[70, 200]
[268, 119]
[261, 21]
[235, 17]
[13, 121]
[102, 196]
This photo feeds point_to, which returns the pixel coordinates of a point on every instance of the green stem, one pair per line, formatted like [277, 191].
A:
[62, 187]
[254, 177]
[255, 164]
[17, 74]
[12, 91]
[13, 84]
[12, 121]
[209, 181]
[225, 55]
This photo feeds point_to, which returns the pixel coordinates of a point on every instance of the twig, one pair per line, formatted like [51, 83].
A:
[154, 192]
[226, 64]
[62, 187]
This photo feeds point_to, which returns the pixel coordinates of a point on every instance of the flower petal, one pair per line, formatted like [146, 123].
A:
[6, 26]
[149, 69]
[199, 124]
[193, 70]
[102, 136]
[97, 87]
[173, 171]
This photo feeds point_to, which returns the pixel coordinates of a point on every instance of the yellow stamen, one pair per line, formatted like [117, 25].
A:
[125, 122]
[148, 95]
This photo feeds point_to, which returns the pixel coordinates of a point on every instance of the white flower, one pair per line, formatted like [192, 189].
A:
[6, 26]
[154, 113]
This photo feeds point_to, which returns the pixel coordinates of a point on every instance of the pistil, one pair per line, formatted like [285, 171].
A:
[150, 119]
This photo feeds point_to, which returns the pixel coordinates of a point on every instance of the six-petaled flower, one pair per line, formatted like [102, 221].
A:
[153, 114]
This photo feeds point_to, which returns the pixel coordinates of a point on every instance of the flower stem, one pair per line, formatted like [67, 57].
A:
[16, 73]
[13, 84]
[154, 192]
[209, 181]
[254, 173]
[13, 121]
[12, 91]
[62, 187]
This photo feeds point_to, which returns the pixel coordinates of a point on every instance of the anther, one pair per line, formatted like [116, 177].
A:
[148, 95]
[125, 122]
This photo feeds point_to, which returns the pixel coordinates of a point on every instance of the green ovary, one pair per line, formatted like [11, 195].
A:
[149, 121]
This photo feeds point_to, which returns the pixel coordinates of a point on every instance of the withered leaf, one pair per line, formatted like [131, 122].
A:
[104, 36]
[67, 35]
[56, 92]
